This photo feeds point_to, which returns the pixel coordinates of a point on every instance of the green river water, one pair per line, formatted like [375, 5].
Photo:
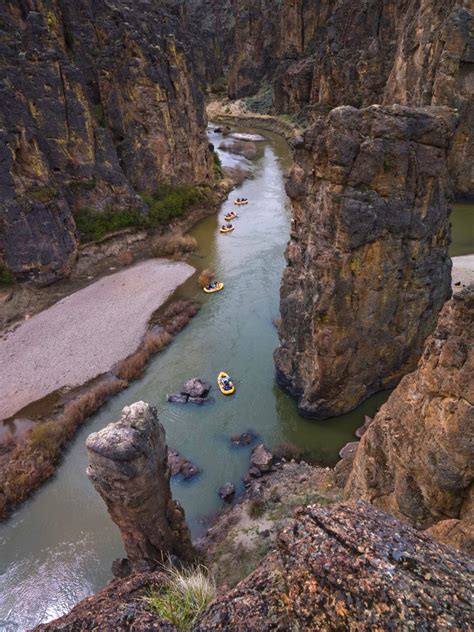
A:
[58, 547]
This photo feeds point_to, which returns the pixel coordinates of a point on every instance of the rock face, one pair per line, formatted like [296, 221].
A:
[345, 567]
[367, 263]
[348, 567]
[98, 102]
[416, 458]
[118, 607]
[128, 466]
[397, 51]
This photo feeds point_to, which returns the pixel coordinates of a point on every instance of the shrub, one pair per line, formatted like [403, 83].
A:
[205, 277]
[125, 258]
[218, 173]
[174, 244]
[93, 225]
[167, 202]
[262, 102]
[6, 277]
[178, 314]
[43, 194]
[256, 508]
[99, 115]
[132, 367]
[184, 596]
[46, 437]
[287, 451]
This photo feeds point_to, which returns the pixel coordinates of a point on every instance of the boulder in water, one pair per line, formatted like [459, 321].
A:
[261, 458]
[195, 387]
[227, 492]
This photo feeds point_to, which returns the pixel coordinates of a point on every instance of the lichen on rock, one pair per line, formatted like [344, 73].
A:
[367, 262]
[416, 458]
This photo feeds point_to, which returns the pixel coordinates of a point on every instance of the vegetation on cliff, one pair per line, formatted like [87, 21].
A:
[164, 204]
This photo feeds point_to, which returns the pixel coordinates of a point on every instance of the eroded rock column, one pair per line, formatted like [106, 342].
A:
[128, 466]
[367, 263]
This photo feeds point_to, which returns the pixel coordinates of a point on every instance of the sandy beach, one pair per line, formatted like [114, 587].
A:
[84, 334]
[463, 269]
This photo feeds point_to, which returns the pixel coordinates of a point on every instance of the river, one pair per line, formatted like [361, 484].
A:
[58, 547]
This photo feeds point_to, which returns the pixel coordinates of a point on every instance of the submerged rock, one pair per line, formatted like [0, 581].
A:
[246, 438]
[227, 492]
[128, 466]
[368, 264]
[416, 459]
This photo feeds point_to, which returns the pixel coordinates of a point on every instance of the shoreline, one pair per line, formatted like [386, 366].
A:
[85, 334]
[97, 259]
[216, 113]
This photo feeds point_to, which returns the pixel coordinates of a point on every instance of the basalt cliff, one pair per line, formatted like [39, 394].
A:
[303, 59]
[367, 263]
[416, 458]
[314, 56]
[98, 102]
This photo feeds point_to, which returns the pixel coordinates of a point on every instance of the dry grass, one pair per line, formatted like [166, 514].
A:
[33, 459]
[36, 455]
[287, 451]
[173, 245]
[205, 277]
[132, 367]
[125, 258]
[178, 315]
[184, 596]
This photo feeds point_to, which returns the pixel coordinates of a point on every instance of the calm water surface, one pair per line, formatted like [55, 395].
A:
[58, 547]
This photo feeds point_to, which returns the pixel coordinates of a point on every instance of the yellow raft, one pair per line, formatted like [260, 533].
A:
[230, 216]
[241, 203]
[217, 288]
[223, 378]
[224, 229]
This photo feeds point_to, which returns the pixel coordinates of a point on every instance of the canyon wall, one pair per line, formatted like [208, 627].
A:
[416, 458]
[367, 262]
[318, 55]
[98, 102]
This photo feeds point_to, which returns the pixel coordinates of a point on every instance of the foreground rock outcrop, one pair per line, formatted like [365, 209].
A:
[128, 465]
[416, 459]
[98, 102]
[347, 567]
[367, 263]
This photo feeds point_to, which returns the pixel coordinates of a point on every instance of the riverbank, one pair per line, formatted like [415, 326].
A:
[98, 258]
[463, 270]
[233, 113]
[84, 334]
[78, 370]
